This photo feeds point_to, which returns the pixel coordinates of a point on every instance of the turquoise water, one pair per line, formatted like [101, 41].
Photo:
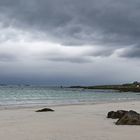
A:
[41, 95]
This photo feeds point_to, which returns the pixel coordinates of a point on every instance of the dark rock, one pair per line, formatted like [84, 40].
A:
[130, 118]
[116, 115]
[45, 110]
[111, 114]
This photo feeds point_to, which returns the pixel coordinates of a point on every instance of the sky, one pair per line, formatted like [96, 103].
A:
[69, 42]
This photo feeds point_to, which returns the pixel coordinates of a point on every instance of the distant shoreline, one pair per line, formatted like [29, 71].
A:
[130, 87]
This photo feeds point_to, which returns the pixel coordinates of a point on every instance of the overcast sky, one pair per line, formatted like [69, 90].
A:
[69, 42]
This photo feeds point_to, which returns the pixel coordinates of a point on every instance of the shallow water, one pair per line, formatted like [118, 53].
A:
[41, 95]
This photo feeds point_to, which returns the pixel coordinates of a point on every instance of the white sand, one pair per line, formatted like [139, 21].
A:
[76, 122]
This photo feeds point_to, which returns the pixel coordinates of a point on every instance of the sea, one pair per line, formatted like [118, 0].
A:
[26, 96]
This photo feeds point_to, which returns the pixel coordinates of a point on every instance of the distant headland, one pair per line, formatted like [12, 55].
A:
[128, 87]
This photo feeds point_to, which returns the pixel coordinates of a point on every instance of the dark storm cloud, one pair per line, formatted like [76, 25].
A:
[70, 59]
[111, 23]
[132, 52]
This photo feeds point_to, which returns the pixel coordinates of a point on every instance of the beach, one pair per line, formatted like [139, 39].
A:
[71, 122]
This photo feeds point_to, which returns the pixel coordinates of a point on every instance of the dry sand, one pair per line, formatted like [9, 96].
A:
[75, 122]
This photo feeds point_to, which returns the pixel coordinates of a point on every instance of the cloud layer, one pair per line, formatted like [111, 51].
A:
[46, 33]
[76, 22]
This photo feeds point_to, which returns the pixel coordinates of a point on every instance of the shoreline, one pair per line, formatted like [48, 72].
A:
[30, 106]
